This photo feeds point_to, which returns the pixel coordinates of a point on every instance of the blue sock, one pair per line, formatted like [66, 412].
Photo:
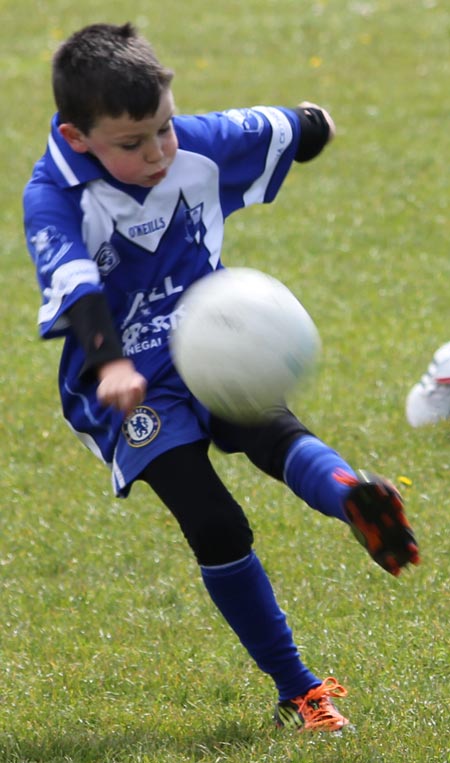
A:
[243, 594]
[318, 475]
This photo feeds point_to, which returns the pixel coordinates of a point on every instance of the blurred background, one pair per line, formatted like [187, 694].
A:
[361, 235]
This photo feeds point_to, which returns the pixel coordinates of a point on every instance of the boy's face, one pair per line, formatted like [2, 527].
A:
[134, 152]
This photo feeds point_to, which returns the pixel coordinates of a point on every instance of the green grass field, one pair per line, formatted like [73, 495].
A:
[110, 650]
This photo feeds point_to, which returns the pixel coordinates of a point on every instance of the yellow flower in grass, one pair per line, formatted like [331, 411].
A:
[365, 38]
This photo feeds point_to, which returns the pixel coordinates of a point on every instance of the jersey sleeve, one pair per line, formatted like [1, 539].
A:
[64, 268]
[253, 149]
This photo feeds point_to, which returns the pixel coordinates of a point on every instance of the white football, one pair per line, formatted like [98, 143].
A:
[244, 342]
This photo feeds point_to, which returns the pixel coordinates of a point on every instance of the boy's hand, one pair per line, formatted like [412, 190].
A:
[120, 385]
[328, 119]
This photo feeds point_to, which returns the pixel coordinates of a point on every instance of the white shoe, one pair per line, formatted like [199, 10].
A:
[429, 401]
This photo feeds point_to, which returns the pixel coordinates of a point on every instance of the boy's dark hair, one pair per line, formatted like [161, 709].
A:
[107, 70]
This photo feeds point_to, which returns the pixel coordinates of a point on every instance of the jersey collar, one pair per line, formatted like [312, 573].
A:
[67, 167]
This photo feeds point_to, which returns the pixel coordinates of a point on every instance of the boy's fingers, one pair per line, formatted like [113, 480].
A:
[123, 396]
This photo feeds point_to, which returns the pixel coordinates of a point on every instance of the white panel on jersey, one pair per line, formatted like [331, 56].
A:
[192, 175]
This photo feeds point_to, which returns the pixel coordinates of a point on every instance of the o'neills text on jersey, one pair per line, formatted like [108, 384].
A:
[143, 229]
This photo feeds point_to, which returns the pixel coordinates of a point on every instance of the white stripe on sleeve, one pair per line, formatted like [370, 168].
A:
[281, 139]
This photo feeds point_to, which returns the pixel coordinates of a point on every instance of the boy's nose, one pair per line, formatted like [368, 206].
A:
[153, 153]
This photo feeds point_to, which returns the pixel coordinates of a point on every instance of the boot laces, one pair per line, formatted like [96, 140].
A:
[317, 709]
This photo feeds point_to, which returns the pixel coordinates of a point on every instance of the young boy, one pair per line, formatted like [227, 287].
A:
[123, 212]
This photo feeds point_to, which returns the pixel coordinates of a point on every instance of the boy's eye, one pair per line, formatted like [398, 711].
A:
[131, 146]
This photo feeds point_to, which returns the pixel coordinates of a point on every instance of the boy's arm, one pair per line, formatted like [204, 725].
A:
[317, 129]
[120, 385]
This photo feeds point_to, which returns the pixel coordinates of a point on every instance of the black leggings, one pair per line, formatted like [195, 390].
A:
[213, 523]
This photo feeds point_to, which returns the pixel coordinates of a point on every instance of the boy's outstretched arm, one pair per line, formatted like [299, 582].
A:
[120, 385]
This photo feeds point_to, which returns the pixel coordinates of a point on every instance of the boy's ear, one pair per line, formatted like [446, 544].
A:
[74, 137]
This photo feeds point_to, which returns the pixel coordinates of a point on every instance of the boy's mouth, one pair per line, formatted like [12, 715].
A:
[158, 175]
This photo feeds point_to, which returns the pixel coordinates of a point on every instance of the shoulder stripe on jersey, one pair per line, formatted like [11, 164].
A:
[61, 163]
[281, 138]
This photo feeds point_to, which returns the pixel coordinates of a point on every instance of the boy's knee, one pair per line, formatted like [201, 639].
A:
[221, 538]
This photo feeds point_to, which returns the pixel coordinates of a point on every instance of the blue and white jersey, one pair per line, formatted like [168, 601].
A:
[142, 247]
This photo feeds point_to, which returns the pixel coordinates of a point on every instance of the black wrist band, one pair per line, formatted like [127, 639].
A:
[314, 133]
[91, 321]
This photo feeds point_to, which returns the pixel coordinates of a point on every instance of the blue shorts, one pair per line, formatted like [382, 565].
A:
[169, 416]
